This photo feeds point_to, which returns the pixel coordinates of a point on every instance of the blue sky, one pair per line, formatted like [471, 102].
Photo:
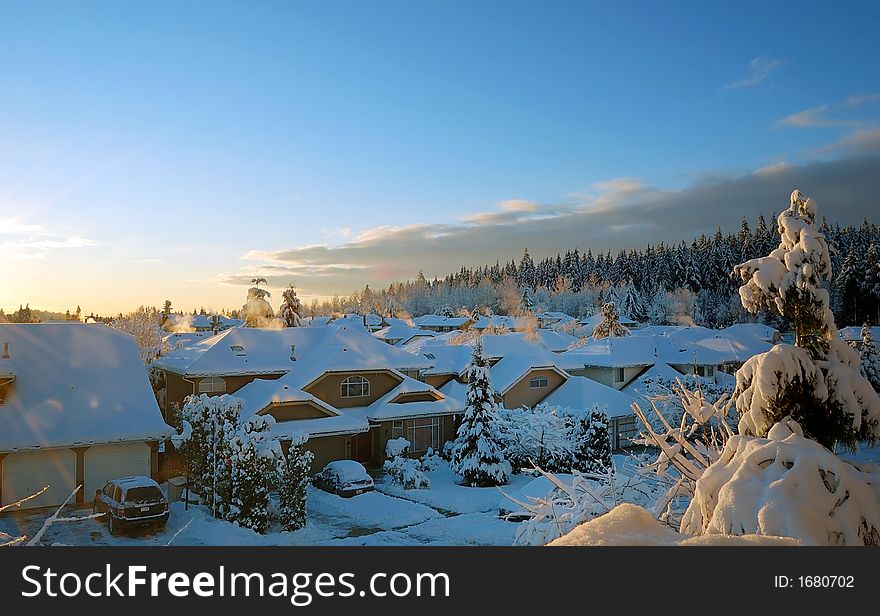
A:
[173, 149]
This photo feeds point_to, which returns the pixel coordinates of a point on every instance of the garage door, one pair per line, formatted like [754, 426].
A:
[106, 462]
[27, 473]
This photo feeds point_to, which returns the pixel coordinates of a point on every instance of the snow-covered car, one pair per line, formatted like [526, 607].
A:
[540, 487]
[130, 502]
[345, 478]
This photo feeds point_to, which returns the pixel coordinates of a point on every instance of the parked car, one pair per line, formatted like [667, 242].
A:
[131, 502]
[345, 478]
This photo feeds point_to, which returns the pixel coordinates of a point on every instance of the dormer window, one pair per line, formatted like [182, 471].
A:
[238, 350]
[355, 387]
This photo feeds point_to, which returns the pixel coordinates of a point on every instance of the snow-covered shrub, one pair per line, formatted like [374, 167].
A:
[293, 482]
[571, 504]
[610, 327]
[406, 472]
[816, 381]
[430, 461]
[256, 460]
[542, 436]
[477, 456]
[395, 447]
[786, 485]
[687, 448]
[593, 452]
[665, 397]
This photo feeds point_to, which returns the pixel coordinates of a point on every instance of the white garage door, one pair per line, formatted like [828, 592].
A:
[106, 462]
[27, 473]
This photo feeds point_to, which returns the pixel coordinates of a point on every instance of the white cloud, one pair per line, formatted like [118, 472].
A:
[759, 69]
[19, 240]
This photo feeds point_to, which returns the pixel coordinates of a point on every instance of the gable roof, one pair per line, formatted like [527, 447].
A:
[511, 369]
[75, 384]
[629, 351]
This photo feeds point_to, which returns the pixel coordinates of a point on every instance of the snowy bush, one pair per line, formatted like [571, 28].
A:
[256, 460]
[406, 472]
[430, 461]
[816, 381]
[571, 504]
[395, 447]
[786, 485]
[293, 482]
[542, 436]
[593, 452]
[476, 455]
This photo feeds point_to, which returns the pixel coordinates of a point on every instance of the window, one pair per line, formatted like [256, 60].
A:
[618, 375]
[397, 429]
[355, 387]
[710, 371]
[212, 385]
[424, 433]
[539, 382]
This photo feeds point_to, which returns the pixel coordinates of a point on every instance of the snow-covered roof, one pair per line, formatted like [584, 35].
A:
[268, 351]
[553, 340]
[313, 321]
[626, 352]
[75, 384]
[385, 409]
[512, 368]
[646, 382]
[723, 348]
[853, 333]
[433, 320]
[448, 359]
[752, 330]
[597, 318]
[401, 332]
[579, 392]
[176, 340]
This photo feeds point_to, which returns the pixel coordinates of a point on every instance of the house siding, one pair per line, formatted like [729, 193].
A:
[521, 395]
[177, 388]
[438, 380]
[329, 388]
[606, 375]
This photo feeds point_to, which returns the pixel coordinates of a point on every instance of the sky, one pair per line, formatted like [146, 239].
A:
[153, 151]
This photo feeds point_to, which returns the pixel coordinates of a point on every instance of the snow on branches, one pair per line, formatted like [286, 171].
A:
[291, 308]
[785, 485]
[610, 327]
[476, 455]
[816, 381]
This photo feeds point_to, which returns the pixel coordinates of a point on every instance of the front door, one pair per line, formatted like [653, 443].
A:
[362, 447]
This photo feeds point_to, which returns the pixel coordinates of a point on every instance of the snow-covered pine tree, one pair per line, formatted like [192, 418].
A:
[658, 313]
[293, 483]
[632, 304]
[210, 423]
[526, 305]
[476, 454]
[593, 453]
[610, 326]
[256, 460]
[291, 309]
[870, 358]
[816, 382]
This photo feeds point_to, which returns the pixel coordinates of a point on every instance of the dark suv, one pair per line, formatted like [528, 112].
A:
[131, 501]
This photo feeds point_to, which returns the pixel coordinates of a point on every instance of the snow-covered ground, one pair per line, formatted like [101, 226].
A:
[444, 514]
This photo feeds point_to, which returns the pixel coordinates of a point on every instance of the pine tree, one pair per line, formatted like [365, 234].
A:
[815, 382]
[476, 454]
[293, 483]
[870, 358]
[526, 306]
[610, 326]
[593, 454]
[255, 459]
[291, 308]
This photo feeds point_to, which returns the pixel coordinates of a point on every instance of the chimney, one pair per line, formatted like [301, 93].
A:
[5, 351]
[292, 352]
